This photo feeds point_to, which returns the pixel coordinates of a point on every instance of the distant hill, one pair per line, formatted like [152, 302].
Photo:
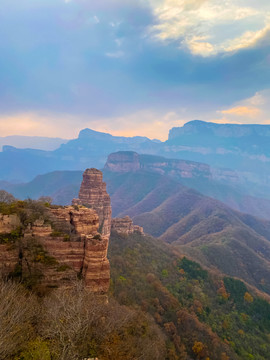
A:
[32, 142]
[61, 186]
[90, 149]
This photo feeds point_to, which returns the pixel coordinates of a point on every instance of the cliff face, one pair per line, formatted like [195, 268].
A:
[86, 252]
[64, 243]
[93, 194]
[126, 161]
[219, 130]
[125, 226]
[8, 223]
[123, 161]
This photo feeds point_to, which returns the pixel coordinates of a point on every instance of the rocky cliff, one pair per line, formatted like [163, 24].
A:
[125, 226]
[129, 161]
[54, 245]
[93, 195]
[8, 223]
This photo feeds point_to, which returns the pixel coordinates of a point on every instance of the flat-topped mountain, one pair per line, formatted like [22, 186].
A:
[243, 148]
[219, 130]
[125, 161]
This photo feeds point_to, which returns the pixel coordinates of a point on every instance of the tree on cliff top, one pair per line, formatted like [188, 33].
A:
[6, 197]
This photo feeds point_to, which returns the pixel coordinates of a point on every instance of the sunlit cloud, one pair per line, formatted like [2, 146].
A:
[39, 124]
[210, 27]
[142, 123]
[255, 110]
[243, 111]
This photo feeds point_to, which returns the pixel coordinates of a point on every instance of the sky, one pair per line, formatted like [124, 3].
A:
[136, 67]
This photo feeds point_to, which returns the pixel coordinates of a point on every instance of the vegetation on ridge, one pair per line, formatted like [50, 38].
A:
[203, 314]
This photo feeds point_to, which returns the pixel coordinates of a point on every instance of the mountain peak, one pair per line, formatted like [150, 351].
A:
[86, 133]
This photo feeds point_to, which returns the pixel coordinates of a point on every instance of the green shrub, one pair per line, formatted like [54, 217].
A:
[192, 269]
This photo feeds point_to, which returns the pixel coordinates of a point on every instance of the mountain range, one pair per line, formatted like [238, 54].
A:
[237, 154]
[32, 142]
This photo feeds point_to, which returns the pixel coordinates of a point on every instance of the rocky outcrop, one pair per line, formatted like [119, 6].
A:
[64, 242]
[8, 223]
[125, 226]
[123, 161]
[85, 250]
[58, 250]
[93, 195]
[126, 161]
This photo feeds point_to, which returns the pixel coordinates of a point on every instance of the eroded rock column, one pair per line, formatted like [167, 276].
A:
[93, 195]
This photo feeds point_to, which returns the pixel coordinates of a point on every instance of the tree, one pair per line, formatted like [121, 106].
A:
[78, 324]
[17, 311]
[6, 197]
[45, 199]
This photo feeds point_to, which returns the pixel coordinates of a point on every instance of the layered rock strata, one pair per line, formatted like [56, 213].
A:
[86, 250]
[66, 242]
[93, 195]
[130, 161]
[125, 226]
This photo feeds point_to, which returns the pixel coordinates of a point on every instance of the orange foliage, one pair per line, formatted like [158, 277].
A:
[198, 349]
[248, 298]
[222, 291]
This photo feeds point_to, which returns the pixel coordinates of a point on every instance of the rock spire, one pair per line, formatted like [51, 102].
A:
[93, 195]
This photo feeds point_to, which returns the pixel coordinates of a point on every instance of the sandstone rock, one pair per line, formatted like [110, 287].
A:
[83, 221]
[9, 223]
[87, 254]
[125, 226]
[8, 259]
[71, 242]
[93, 194]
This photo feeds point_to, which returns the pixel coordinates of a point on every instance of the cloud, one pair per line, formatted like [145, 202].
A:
[210, 27]
[142, 123]
[255, 110]
[58, 59]
[243, 111]
[39, 124]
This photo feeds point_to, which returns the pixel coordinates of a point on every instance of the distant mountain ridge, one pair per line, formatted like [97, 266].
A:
[239, 154]
[220, 130]
[32, 142]
[63, 186]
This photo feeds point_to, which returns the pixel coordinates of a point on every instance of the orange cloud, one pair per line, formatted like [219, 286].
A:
[242, 111]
